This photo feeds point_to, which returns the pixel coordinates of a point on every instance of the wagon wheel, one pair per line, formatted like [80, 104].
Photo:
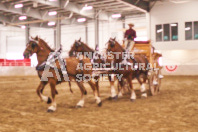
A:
[154, 82]
[159, 80]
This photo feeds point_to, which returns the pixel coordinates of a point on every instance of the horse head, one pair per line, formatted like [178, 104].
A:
[31, 47]
[79, 46]
[74, 47]
[113, 46]
[36, 45]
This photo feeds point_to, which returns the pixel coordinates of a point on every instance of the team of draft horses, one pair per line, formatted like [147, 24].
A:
[68, 70]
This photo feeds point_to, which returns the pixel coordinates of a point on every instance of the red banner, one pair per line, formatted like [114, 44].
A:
[24, 62]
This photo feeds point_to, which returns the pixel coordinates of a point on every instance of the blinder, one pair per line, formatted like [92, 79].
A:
[77, 44]
[34, 45]
[112, 43]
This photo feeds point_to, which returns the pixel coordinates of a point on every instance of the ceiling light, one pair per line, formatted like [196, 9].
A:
[23, 27]
[87, 7]
[81, 20]
[18, 5]
[51, 23]
[22, 17]
[116, 15]
[52, 13]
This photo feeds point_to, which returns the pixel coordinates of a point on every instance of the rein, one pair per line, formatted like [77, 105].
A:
[95, 54]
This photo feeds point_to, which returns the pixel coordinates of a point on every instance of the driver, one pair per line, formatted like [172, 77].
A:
[129, 37]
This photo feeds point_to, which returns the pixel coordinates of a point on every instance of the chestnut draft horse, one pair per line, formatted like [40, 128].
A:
[84, 49]
[42, 50]
[129, 72]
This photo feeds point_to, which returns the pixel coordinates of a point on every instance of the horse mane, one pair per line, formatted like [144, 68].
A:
[46, 45]
[87, 48]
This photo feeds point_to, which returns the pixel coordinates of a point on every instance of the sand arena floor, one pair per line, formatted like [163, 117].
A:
[175, 109]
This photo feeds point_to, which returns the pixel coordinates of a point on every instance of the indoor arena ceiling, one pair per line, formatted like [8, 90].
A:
[36, 12]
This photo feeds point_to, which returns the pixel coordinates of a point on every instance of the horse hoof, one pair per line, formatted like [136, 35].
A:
[49, 101]
[132, 100]
[56, 92]
[50, 111]
[115, 98]
[78, 106]
[143, 97]
[100, 104]
[110, 98]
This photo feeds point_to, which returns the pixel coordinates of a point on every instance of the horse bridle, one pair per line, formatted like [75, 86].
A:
[77, 44]
[34, 44]
[112, 44]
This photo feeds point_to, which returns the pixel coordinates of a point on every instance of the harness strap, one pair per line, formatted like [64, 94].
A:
[51, 61]
[41, 66]
[81, 62]
[96, 56]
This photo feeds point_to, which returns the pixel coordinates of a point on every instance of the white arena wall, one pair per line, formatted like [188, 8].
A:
[13, 35]
[183, 53]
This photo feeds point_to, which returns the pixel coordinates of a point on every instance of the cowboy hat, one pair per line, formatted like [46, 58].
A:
[131, 24]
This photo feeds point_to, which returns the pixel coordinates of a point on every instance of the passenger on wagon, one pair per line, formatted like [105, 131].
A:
[129, 37]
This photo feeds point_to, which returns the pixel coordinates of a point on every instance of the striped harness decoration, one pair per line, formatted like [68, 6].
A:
[51, 62]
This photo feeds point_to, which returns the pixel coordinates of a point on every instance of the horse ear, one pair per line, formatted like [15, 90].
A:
[114, 39]
[79, 39]
[36, 38]
[112, 45]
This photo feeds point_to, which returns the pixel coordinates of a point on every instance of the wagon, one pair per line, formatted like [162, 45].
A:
[154, 74]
